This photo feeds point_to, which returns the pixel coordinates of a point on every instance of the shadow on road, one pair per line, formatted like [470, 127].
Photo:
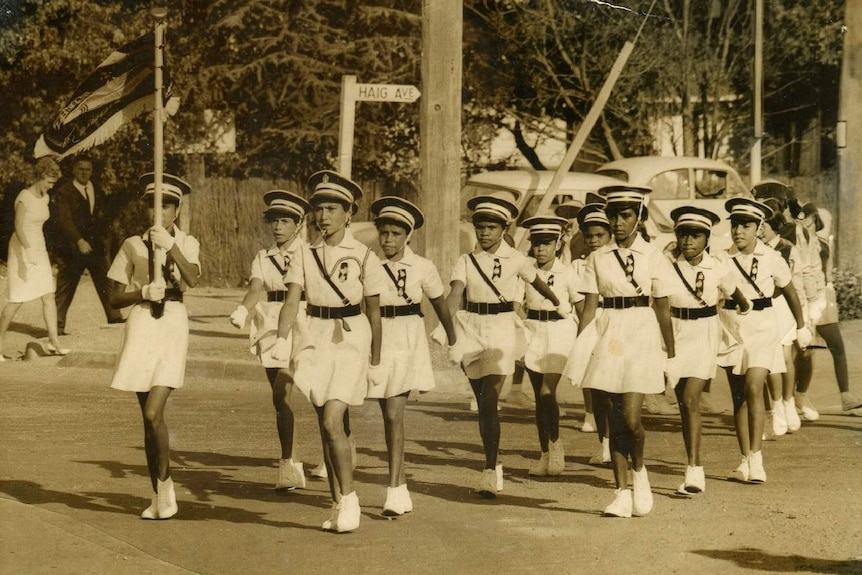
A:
[749, 558]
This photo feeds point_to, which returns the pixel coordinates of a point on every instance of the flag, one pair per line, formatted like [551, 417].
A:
[121, 88]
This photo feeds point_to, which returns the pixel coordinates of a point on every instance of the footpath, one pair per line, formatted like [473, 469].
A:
[73, 476]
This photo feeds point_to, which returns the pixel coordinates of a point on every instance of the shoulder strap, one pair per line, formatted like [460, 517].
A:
[280, 269]
[631, 277]
[747, 277]
[688, 285]
[487, 281]
[406, 297]
[344, 300]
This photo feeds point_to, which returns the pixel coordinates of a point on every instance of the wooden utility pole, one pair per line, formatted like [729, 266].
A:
[849, 205]
[440, 130]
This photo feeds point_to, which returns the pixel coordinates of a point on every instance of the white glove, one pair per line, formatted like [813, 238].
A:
[376, 375]
[455, 354]
[816, 307]
[565, 309]
[803, 337]
[238, 317]
[438, 336]
[161, 238]
[281, 349]
[154, 291]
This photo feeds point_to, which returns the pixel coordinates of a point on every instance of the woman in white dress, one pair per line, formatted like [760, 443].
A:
[634, 337]
[705, 281]
[551, 337]
[760, 272]
[152, 360]
[338, 355]
[488, 279]
[29, 268]
[405, 357]
[285, 213]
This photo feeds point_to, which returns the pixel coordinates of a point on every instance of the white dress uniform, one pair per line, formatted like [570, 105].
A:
[30, 275]
[493, 323]
[629, 355]
[698, 336]
[332, 363]
[153, 351]
[404, 354]
[757, 332]
[551, 337]
[270, 267]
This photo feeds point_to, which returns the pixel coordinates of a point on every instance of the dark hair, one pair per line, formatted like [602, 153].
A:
[614, 208]
[776, 222]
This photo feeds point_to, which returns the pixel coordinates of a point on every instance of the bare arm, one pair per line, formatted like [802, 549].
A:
[789, 293]
[456, 294]
[661, 306]
[372, 311]
[121, 298]
[252, 296]
[287, 315]
[590, 305]
[543, 289]
[743, 304]
[190, 272]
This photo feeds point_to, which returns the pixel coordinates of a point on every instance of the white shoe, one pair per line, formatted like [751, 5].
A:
[621, 506]
[474, 405]
[809, 412]
[392, 507]
[540, 469]
[741, 472]
[330, 524]
[349, 513]
[604, 455]
[290, 475]
[642, 497]
[320, 471]
[404, 498]
[152, 512]
[695, 479]
[556, 458]
[167, 499]
[849, 402]
[498, 474]
[779, 419]
[756, 473]
[589, 425]
[488, 484]
[793, 422]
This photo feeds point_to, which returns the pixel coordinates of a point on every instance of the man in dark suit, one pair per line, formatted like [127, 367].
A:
[80, 223]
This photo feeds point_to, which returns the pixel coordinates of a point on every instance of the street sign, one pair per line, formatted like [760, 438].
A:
[386, 93]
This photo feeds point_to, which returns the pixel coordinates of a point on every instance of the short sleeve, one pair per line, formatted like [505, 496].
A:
[432, 285]
[663, 284]
[373, 277]
[526, 270]
[192, 250]
[588, 282]
[122, 270]
[781, 271]
[459, 270]
[256, 268]
[572, 287]
[727, 281]
[296, 270]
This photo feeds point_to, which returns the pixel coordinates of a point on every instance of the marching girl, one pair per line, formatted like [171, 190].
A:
[405, 357]
[759, 271]
[489, 277]
[339, 351]
[284, 213]
[628, 360]
[596, 231]
[152, 360]
[551, 337]
[705, 280]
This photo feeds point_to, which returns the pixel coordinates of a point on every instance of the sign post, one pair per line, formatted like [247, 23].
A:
[352, 92]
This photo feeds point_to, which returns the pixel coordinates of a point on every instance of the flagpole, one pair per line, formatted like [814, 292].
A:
[160, 15]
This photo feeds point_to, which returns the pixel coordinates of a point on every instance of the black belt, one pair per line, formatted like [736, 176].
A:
[756, 304]
[693, 312]
[483, 308]
[623, 302]
[333, 312]
[543, 315]
[280, 295]
[399, 310]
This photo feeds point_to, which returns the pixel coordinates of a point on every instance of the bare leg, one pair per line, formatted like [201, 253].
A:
[602, 406]
[541, 416]
[9, 311]
[282, 384]
[620, 441]
[156, 439]
[804, 365]
[688, 393]
[740, 410]
[632, 404]
[831, 333]
[588, 400]
[49, 312]
[336, 448]
[393, 427]
[754, 378]
[487, 391]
